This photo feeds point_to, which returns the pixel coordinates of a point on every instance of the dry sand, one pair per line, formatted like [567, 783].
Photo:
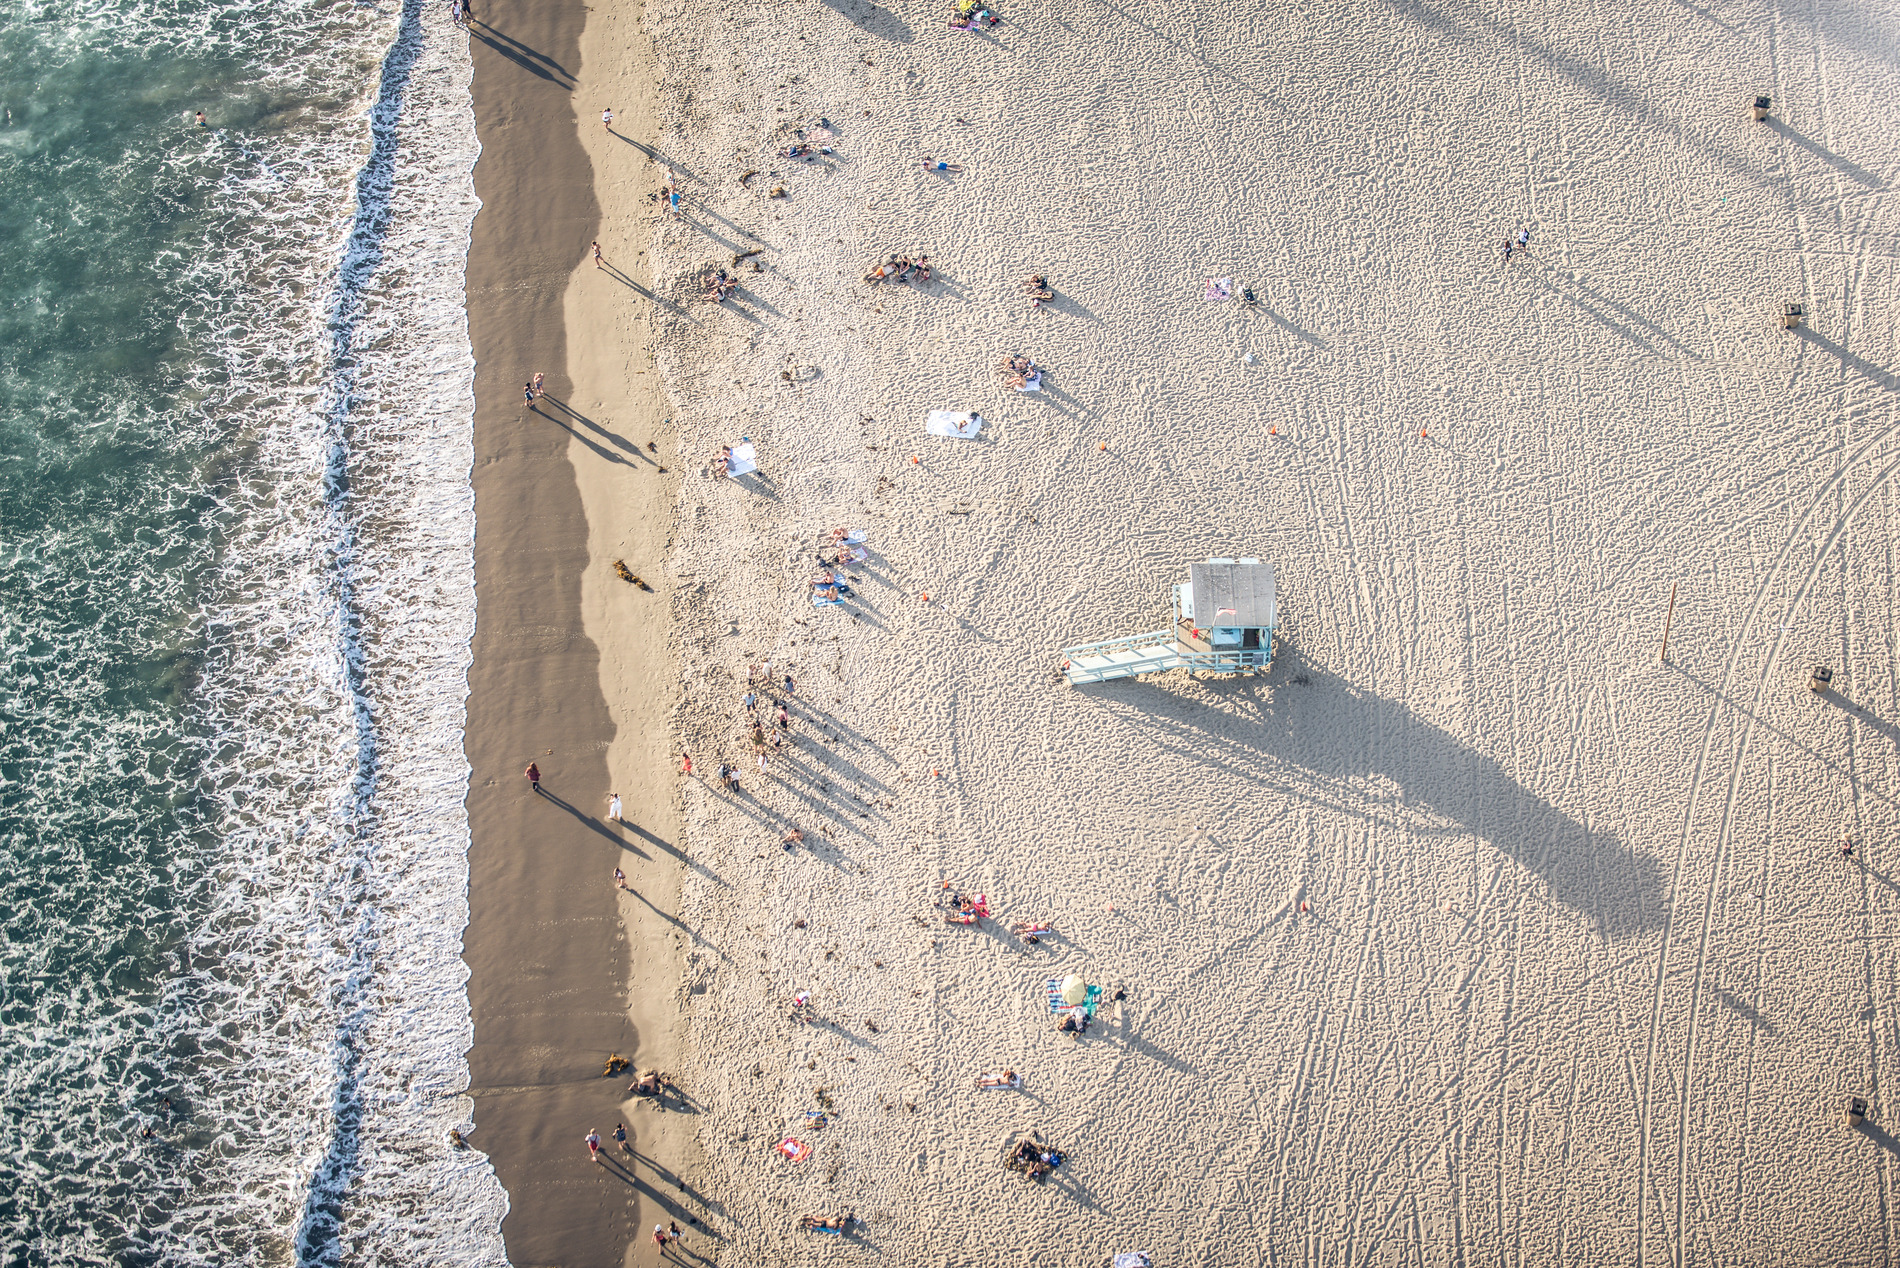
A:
[1469, 933]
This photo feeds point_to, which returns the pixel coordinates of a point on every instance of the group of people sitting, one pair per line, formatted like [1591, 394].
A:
[964, 909]
[1020, 373]
[805, 150]
[718, 284]
[967, 13]
[1033, 1160]
[1037, 288]
[836, 550]
[900, 268]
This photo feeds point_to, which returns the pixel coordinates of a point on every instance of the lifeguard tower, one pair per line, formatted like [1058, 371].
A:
[1223, 624]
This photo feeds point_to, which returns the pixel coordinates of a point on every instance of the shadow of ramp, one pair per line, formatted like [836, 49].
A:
[1338, 746]
[873, 19]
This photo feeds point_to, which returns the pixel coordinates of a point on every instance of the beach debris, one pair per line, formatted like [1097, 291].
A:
[746, 255]
[456, 1140]
[794, 1149]
[778, 191]
[748, 176]
[629, 576]
[615, 1064]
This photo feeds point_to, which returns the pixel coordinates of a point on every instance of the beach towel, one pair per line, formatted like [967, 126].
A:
[855, 536]
[820, 601]
[1032, 384]
[1056, 1006]
[796, 1150]
[952, 425]
[744, 459]
[1219, 288]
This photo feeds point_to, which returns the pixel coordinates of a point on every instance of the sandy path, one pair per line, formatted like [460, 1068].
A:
[1582, 976]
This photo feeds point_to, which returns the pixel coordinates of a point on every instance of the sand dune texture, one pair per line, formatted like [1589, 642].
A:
[1469, 934]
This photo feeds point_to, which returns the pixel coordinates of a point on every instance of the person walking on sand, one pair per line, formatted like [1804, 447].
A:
[527, 396]
[620, 1138]
[659, 1236]
[607, 119]
[535, 383]
[593, 1144]
[673, 1233]
[534, 776]
[598, 263]
[686, 763]
[620, 880]
[613, 808]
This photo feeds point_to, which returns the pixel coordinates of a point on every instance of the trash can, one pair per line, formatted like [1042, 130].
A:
[1856, 1111]
[1759, 110]
[1819, 678]
[1791, 316]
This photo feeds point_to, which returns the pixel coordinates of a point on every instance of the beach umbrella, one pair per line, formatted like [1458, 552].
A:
[1074, 990]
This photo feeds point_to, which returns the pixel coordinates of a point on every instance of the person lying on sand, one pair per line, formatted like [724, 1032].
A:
[1008, 1078]
[653, 1083]
[1073, 1025]
[792, 837]
[836, 1224]
[882, 271]
[938, 165]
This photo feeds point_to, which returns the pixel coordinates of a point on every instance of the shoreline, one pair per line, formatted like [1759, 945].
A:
[560, 677]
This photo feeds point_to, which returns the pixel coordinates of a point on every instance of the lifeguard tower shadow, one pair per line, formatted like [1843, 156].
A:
[1347, 749]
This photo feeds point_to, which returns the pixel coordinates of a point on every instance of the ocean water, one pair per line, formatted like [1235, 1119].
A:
[236, 597]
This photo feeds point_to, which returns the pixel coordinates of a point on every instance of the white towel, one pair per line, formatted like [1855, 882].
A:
[952, 425]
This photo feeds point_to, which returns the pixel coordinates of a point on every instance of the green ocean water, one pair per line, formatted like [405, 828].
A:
[189, 742]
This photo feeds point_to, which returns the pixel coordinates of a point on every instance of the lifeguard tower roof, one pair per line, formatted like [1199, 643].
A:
[1232, 594]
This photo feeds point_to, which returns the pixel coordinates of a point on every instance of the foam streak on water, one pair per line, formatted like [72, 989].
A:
[281, 954]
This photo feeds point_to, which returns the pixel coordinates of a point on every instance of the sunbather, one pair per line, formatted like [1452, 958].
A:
[836, 1224]
[938, 165]
[653, 1083]
[1008, 1079]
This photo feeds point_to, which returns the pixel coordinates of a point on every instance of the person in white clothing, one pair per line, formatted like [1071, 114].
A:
[613, 807]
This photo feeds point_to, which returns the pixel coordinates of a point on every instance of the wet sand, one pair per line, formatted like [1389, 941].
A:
[562, 679]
